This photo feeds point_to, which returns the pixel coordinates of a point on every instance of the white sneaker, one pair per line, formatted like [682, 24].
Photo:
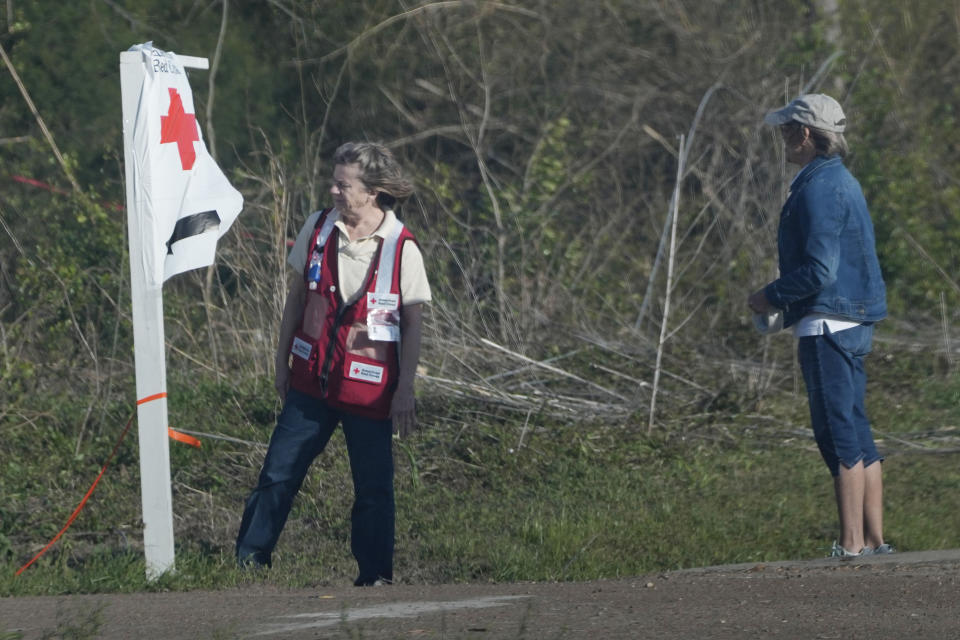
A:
[839, 552]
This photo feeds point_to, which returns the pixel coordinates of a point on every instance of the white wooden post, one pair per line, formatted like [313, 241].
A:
[148, 344]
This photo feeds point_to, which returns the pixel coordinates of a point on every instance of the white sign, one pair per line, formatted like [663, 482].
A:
[185, 202]
[178, 205]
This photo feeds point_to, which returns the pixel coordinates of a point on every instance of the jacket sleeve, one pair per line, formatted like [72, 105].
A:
[823, 215]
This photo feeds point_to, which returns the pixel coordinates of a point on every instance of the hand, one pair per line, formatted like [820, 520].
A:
[403, 412]
[758, 302]
[282, 381]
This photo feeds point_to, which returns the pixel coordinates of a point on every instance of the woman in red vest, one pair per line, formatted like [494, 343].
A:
[347, 354]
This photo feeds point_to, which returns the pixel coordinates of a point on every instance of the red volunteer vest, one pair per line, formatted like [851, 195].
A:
[347, 354]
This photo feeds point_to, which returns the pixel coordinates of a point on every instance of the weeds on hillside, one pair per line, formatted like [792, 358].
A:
[486, 493]
[540, 212]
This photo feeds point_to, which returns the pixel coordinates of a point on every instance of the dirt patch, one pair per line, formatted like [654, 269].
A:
[899, 596]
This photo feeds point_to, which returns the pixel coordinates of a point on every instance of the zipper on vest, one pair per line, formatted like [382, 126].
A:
[331, 345]
[338, 320]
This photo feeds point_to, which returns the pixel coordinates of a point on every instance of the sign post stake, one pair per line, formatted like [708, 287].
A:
[148, 340]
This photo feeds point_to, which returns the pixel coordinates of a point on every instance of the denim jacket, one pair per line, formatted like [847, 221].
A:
[828, 258]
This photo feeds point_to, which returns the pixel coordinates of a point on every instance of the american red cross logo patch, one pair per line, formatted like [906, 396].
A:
[180, 127]
[364, 371]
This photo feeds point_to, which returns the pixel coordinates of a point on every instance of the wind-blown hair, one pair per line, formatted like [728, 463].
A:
[379, 171]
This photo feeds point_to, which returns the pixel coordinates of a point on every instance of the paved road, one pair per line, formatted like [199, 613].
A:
[908, 595]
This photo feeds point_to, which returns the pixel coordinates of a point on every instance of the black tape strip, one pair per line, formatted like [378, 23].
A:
[193, 225]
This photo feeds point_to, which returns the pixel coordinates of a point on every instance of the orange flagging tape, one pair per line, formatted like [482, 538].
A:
[76, 511]
[155, 396]
[182, 437]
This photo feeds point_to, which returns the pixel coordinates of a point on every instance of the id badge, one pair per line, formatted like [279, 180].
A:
[383, 325]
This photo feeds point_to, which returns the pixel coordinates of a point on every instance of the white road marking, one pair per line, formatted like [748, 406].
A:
[395, 610]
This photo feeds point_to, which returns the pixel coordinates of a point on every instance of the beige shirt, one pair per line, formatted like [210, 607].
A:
[354, 258]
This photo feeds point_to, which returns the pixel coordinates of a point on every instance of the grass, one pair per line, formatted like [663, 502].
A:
[573, 503]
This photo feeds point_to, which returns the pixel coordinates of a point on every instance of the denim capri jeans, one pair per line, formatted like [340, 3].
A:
[836, 381]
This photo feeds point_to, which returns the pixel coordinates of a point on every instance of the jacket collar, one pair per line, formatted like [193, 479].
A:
[811, 168]
[802, 178]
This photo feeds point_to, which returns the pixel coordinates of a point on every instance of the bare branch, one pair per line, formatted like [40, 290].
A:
[43, 125]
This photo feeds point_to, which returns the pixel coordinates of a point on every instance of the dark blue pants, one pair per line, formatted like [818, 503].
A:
[303, 430]
[836, 381]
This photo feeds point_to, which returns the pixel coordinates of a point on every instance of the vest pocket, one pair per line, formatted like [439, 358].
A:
[365, 381]
[358, 343]
[315, 315]
[304, 354]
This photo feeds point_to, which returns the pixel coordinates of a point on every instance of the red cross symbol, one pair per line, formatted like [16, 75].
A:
[356, 370]
[180, 127]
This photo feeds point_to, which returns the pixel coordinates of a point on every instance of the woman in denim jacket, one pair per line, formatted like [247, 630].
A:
[831, 292]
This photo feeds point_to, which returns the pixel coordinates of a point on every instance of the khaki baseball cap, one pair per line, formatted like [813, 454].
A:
[816, 110]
